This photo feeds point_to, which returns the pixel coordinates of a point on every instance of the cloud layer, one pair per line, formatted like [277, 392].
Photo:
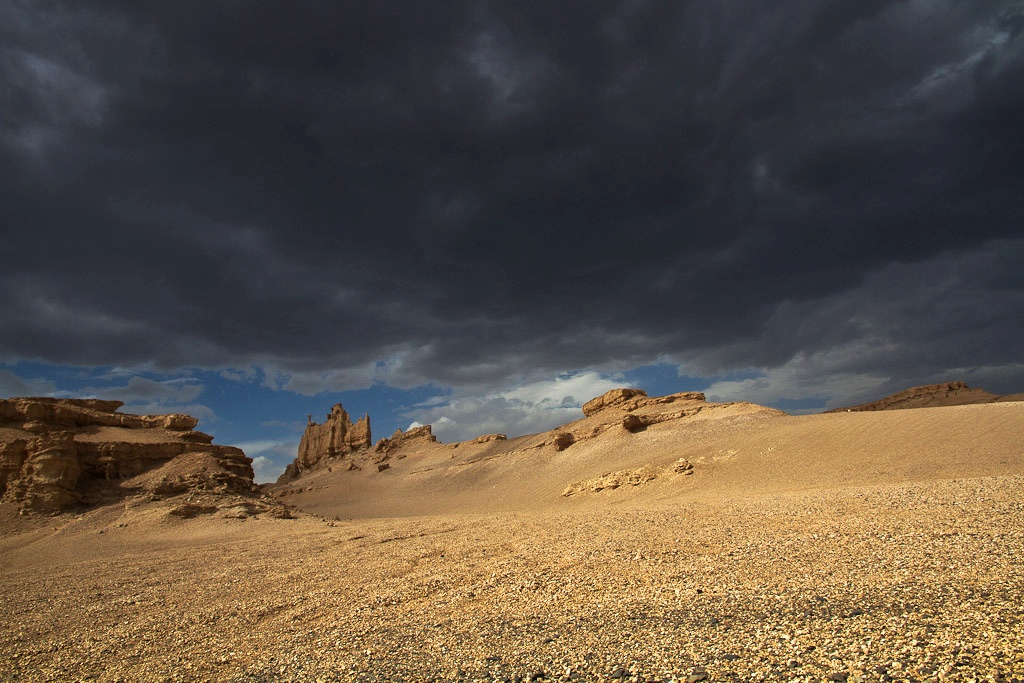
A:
[482, 196]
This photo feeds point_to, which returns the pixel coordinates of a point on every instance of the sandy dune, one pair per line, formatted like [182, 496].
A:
[869, 546]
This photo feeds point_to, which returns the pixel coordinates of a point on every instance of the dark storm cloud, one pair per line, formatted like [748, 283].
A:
[465, 192]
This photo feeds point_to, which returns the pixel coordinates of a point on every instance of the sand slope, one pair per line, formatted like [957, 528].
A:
[735, 449]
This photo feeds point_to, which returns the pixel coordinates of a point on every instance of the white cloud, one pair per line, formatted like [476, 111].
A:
[397, 370]
[269, 457]
[154, 392]
[534, 407]
[249, 375]
[805, 376]
[154, 397]
[13, 385]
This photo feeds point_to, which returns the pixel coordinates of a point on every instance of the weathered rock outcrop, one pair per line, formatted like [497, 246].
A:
[487, 438]
[335, 438]
[399, 439]
[58, 453]
[930, 396]
[613, 398]
[635, 477]
[629, 400]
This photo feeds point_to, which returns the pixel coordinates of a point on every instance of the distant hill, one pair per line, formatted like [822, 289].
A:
[932, 396]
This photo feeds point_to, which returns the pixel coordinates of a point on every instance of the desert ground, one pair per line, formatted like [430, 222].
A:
[734, 544]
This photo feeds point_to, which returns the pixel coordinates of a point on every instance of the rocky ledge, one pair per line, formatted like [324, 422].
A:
[58, 454]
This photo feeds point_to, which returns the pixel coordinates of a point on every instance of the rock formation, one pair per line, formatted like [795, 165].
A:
[487, 438]
[60, 453]
[629, 400]
[634, 477]
[613, 398]
[932, 395]
[336, 438]
[399, 439]
[339, 443]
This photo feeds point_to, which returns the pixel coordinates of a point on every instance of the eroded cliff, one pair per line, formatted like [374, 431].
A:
[57, 454]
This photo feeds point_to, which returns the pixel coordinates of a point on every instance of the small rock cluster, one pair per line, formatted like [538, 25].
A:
[634, 477]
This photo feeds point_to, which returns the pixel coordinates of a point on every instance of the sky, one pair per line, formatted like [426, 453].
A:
[480, 214]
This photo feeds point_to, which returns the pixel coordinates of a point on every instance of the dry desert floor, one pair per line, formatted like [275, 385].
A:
[884, 546]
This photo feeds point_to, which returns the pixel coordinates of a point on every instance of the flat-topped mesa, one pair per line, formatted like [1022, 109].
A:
[335, 438]
[60, 453]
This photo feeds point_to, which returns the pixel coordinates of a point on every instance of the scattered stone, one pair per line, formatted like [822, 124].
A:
[612, 480]
[682, 466]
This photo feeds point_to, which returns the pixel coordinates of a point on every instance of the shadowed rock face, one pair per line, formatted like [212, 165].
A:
[58, 453]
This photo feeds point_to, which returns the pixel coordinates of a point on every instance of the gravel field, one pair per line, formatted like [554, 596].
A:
[901, 582]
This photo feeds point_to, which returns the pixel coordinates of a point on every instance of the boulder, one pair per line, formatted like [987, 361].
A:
[562, 440]
[633, 423]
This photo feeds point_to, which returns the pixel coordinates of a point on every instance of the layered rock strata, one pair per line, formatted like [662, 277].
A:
[61, 453]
